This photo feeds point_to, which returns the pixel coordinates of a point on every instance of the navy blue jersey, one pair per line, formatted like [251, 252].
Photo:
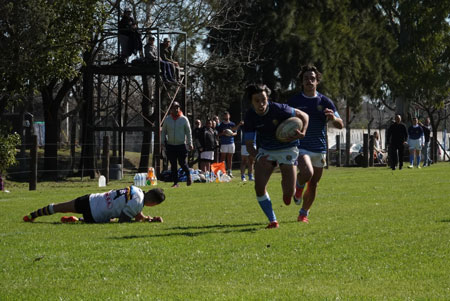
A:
[415, 132]
[315, 138]
[222, 127]
[265, 126]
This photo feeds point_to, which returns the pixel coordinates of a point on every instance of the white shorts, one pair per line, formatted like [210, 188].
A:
[208, 155]
[317, 159]
[414, 144]
[244, 151]
[227, 148]
[286, 156]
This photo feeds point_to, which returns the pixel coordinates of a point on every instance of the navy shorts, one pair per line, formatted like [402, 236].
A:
[83, 206]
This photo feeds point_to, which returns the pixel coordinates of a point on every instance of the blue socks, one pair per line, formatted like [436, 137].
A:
[418, 160]
[411, 159]
[299, 186]
[266, 205]
[303, 212]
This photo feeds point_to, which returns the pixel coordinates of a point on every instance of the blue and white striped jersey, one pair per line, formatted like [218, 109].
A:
[315, 138]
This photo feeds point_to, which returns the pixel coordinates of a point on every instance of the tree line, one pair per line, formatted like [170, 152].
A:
[395, 53]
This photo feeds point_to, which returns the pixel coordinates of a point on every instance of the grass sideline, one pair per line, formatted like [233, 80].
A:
[373, 234]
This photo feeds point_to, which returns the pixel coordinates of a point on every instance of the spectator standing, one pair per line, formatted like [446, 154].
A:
[227, 147]
[426, 127]
[195, 134]
[129, 37]
[415, 142]
[177, 139]
[397, 136]
[207, 141]
[217, 141]
[313, 147]
[262, 119]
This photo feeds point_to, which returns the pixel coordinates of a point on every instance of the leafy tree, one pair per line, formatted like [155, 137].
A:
[8, 143]
[422, 32]
[43, 42]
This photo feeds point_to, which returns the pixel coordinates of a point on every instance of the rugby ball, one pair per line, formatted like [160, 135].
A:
[287, 128]
[228, 132]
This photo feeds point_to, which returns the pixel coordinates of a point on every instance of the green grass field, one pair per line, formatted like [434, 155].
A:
[373, 234]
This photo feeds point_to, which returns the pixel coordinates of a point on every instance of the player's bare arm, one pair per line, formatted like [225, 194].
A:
[337, 122]
[235, 128]
[305, 119]
[251, 148]
[141, 217]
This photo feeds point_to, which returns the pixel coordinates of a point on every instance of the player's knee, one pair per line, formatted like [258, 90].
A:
[313, 185]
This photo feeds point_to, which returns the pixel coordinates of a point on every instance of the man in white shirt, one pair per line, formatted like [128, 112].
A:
[125, 204]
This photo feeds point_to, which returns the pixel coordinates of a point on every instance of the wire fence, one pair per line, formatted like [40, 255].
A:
[70, 160]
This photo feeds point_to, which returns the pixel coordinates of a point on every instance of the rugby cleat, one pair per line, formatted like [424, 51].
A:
[69, 219]
[303, 219]
[27, 218]
[272, 225]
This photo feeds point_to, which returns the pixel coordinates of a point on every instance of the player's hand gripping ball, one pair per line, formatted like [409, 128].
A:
[287, 129]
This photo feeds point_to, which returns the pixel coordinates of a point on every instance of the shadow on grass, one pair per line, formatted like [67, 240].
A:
[223, 229]
[220, 226]
[213, 229]
[445, 220]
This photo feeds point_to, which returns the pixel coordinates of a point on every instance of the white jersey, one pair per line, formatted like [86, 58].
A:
[111, 204]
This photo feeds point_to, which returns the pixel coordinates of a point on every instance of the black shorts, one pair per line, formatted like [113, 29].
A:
[83, 206]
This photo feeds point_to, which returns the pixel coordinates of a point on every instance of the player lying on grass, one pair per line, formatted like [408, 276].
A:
[261, 121]
[125, 204]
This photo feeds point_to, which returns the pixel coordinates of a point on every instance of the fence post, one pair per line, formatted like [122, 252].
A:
[33, 163]
[105, 161]
[371, 149]
[338, 150]
[366, 150]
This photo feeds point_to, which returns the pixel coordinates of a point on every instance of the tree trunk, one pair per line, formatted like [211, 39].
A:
[52, 124]
[88, 165]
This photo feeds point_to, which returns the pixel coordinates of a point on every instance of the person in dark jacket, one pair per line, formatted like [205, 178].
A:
[207, 142]
[397, 136]
[426, 148]
[129, 37]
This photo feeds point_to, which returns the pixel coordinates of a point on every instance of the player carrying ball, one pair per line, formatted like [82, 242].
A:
[261, 120]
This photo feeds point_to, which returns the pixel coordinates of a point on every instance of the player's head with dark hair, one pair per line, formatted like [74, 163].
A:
[258, 96]
[252, 89]
[155, 195]
[309, 68]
